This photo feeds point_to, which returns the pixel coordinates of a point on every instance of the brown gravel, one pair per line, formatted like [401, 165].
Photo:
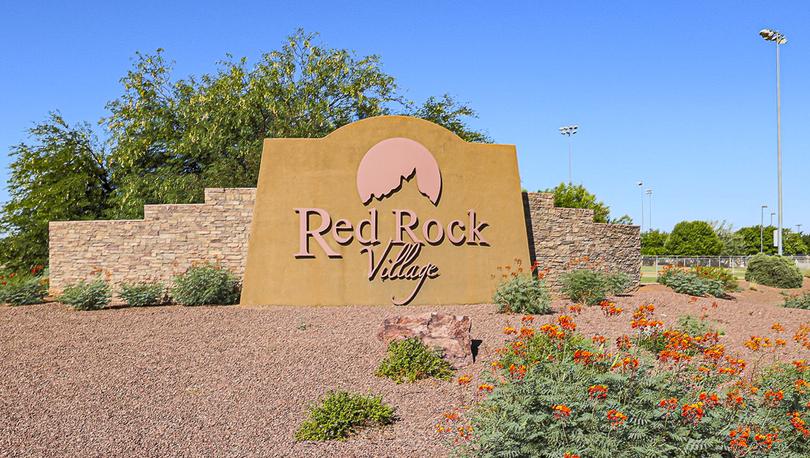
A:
[236, 381]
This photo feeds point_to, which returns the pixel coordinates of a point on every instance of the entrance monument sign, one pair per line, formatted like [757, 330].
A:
[386, 210]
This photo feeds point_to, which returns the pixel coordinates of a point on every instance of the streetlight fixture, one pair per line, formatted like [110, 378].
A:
[641, 186]
[779, 39]
[649, 208]
[569, 131]
[799, 229]
[772, 213]
[761, 223]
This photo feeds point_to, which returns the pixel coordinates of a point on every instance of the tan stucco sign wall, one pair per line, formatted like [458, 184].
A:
[385, 210]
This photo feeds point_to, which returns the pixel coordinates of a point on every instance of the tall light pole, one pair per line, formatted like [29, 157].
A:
[761, 223]
[779, 39]
[649, 208]
[569, 131]
[799, 229]
[772, 213]
[641, 186]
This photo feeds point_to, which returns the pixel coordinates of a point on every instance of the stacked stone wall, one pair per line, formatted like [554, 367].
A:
[564, 239]
[169, 240]
[172, 238]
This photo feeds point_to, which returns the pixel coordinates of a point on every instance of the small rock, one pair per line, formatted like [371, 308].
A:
[450, 333]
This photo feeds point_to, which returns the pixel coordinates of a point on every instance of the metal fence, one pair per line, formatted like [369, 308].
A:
[651, 265]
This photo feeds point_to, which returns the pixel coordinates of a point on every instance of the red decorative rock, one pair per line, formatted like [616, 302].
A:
[450, 333]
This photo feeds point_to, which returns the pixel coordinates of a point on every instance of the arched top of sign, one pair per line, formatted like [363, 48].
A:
[390, 162]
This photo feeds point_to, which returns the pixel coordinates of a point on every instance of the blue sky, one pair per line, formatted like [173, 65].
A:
[678, 94]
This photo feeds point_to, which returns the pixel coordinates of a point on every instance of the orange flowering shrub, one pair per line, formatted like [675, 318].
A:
[558, 393]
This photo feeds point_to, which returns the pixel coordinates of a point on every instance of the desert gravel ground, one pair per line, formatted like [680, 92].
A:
[236, 381]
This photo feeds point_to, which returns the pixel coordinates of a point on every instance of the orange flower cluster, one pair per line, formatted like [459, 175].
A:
[709, 400]
[692, 412]
[561, 411]
[669, 403]
[583, 357]
[570, 455]
[738, 439]
[756, 343]
[777, 327]
[598, 391]
[464, 379]
[802, 336]
[567, 323]
[517, 371]
[642, 319]
[576, 309]
[609, 308]
[766, 441]
[486, 387]
[773, 397]
[615, 417]
[553, 331]
[628, 362]
[598, 339]
[798, 423]
[623, 343]
[801, 365]
[509, 330]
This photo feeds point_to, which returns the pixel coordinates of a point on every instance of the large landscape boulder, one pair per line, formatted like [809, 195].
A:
[450, 333]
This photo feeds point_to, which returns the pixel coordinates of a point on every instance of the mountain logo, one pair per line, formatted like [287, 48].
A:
[393, 161]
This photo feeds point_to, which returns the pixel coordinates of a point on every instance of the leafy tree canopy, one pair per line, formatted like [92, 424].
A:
[794, 244]
[693, 238]
[166, 139]
[576, 196]
[652, 243]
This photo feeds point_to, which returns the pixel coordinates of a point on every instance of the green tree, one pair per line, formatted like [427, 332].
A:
[63, 173]
[733, 242]
[653, 242]
[794, 243]
[693, 238]
[576, 196]
[167, 139]
[624, 219]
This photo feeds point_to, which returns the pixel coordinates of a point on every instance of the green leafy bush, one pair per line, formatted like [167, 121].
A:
[523, 294]
[720, 274]
[410, 360]
[23, 290]
[143, 294]
[559, 396]
[87, 296]
[773, 271]
[686, 282]
[618, 283]
[585, 286]
[206, 285]
[798, 302]
[341, 413]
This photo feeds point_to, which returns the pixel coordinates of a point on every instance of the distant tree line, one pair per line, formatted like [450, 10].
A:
[701, 238]
[166, 139]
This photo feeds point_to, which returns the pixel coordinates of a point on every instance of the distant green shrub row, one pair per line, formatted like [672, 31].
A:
[590, 287]
[774, 271]
[23, 290]
[687, 282]
[202, 285]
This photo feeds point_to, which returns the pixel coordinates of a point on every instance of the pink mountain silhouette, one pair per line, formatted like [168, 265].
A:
[393, 160]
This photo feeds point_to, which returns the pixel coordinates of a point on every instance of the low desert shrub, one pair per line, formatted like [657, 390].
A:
[341, 413]
[618, 283]
[720, 274]
[585, 286]
[23, 290]
[686, 282]
[144, 294]
[410, 360]
[206, 285]
[798, 302]
[94, 295]
[774, 271]
[523, 294]
[553, 394]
